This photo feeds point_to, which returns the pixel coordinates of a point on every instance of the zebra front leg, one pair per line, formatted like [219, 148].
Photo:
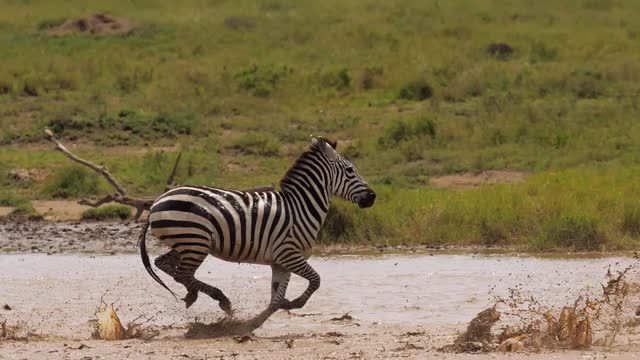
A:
[279, 282]
[301, 267]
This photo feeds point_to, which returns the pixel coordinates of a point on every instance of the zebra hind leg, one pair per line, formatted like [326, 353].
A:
[185, 275]
[299, 266]
[168, 262]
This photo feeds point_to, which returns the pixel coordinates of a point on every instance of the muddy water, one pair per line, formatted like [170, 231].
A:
[57, 295]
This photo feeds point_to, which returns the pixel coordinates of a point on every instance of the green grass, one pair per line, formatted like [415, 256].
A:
[107, 212]
[412, 89]
[583, 209]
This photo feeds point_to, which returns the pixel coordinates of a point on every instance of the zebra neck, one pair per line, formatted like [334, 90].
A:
[308, 211]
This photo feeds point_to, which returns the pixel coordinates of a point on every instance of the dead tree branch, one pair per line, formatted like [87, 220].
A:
[121, 197]
[173, 173]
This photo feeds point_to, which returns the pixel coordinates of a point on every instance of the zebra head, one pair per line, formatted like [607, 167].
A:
[345, 181]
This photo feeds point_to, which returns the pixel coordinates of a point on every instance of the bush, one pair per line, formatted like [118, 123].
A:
[50, 23]
[542, 53]
[369, 76]
[262, 80]
[576, 232]
[140, 125]
[109, 212]
[72, 182]
[404, 130]
[631, 220]
[339, 80]
[339, 226]
[263, 144]
[500, 51]
[417, 90]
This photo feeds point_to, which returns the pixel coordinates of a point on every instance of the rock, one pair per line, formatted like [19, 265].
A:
[6, 307]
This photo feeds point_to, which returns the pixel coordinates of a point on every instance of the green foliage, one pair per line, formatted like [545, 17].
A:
[255, 143]
[11, 199]
[108, 212]
[554, 104]
[403, 130]
[72, 182]
[261, 80]
[541, 52]
[575, 232]
[631, 220]
[416, 90]
[339, 80]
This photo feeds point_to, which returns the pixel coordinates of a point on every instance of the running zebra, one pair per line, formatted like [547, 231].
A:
[276, 228]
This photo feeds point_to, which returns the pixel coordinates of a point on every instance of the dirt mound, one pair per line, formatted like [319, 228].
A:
[472, 180]
[96, 24]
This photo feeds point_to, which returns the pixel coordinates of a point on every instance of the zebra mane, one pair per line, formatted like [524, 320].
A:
[314, 148]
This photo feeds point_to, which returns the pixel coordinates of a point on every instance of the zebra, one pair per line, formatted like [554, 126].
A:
[276, 228]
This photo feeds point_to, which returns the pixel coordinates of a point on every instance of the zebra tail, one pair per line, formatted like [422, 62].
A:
[145, 258]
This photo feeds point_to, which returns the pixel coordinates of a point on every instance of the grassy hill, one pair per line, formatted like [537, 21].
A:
[411, 89]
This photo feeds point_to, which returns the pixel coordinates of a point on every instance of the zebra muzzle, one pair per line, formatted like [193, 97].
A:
[367, 199]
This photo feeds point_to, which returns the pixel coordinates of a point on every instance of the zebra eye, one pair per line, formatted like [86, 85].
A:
[350, 169]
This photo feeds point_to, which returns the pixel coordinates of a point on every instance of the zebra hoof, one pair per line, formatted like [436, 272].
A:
[286, 305]
[226, 307]
[191, 297]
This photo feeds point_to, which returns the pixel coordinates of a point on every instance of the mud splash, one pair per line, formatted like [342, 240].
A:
[532, 325]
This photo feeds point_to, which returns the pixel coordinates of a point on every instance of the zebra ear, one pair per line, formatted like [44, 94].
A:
[326, 148]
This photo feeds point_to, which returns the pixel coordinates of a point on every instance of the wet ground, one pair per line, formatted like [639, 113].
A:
[402, 306]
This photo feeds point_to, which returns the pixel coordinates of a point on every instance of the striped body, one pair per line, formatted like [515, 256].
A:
[276, 228]
[231, 225]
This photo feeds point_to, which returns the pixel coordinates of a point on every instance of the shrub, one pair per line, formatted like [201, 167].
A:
[599, 5]
[576, 232]
[369, 76]
[49, 24]
[339, 226]
[417, 90]
[263, 144]
[26, 210]
[145, 125]
[500, 51]
[631, 220]
[72, 181]
[404, 130]
[239, 23]
[109, 212]
[61, 123]
[542, 53]
[586, 85]
[12, 200]
[339, 80]
[262, 80]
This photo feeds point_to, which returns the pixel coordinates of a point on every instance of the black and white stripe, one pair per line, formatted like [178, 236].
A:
[276, 228]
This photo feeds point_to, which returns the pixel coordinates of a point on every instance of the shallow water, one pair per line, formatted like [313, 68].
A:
[58, 294]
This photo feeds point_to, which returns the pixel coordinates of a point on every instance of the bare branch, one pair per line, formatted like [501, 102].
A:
[106, 199]
[173, 173]
[100, 169]
[121, 197]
